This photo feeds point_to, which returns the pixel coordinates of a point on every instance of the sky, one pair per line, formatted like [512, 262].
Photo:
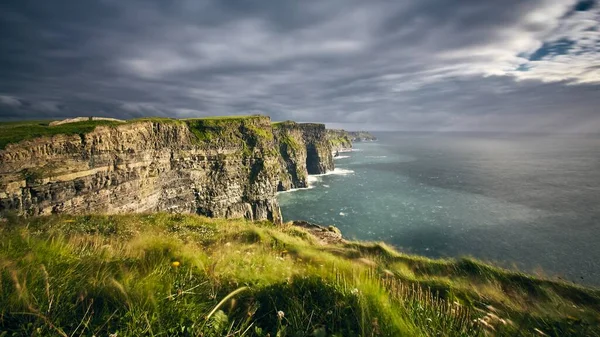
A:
[431, 65]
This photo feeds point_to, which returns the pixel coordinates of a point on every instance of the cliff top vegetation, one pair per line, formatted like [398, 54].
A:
[14, 132]
[186, 275]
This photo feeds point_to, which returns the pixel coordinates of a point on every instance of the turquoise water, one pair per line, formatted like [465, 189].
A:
[527, 202]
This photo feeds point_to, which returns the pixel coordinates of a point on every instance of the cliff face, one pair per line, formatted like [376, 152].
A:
[318, 150]
[216, 167]
[304, 149]
[292, 149]
[361, 136]
[220, 167]
[339, 140]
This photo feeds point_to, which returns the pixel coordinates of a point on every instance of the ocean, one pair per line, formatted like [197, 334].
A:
[528, 202]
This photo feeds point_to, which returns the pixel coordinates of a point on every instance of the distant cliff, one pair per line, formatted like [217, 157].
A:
[361, 136]
[220, 167]
[339, 140]
[304, 149]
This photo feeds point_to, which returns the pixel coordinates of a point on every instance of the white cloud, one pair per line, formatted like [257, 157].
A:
[581, 63]
[243, 42]
[142, 108]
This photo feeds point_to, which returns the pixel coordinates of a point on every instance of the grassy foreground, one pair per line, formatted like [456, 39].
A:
[185, 275]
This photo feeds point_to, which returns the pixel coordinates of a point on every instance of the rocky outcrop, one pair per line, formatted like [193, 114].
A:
[325, 236]
[339, 140]
[222, 167]
[361, 136]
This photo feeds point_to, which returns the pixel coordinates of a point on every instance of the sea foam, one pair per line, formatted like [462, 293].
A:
[313, 178]
[335, 171]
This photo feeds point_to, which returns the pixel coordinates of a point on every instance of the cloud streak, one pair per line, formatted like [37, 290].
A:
[428, 65]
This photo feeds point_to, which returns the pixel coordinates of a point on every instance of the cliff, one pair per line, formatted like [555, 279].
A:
[339, 140]
[292, 150]
[361, 136]
[304, 149]
[318, 150]
[218, 167]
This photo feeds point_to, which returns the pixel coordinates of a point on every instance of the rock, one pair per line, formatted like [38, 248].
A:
[326, 236]
[218, 167]
[339, 140]
[304, 149]
[361, 136]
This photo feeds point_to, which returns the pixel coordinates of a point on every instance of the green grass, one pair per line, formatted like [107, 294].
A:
[14, 132]
[230, 129]
[186, 275]
[290, 142]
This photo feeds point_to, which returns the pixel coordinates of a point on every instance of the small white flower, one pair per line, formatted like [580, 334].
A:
[354, 291]
[280, 315]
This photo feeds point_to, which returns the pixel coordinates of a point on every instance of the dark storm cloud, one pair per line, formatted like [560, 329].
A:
[431, 64]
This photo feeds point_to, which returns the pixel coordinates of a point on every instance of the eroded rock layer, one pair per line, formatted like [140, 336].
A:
[221, 167]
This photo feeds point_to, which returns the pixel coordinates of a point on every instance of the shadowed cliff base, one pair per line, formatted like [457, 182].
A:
[187, 275]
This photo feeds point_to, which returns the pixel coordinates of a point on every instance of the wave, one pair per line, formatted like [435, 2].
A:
[313, 178]
[335, 171]
[375, 156]
[341, 157]
[297, 189]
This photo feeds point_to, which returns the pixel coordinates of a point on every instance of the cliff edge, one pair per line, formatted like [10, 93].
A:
[227, 167]
[339, 140]
[361, 136]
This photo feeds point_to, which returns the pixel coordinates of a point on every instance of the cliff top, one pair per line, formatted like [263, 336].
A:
[361, 136]
[288, 124]
[14, 132]
[171, 273]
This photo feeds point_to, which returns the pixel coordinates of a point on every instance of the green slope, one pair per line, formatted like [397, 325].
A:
[185, 275]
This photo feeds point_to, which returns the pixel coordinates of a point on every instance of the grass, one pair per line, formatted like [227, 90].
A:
[14, 132]
[186, 275]
[290, 142]
[231, 129]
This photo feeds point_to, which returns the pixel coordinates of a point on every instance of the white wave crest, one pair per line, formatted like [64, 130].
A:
[313, 178]
[297, 189]
[341, 157]
[336, 171]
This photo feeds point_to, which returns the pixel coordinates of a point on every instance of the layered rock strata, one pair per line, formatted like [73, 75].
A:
[219, 167]
[304, 150]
